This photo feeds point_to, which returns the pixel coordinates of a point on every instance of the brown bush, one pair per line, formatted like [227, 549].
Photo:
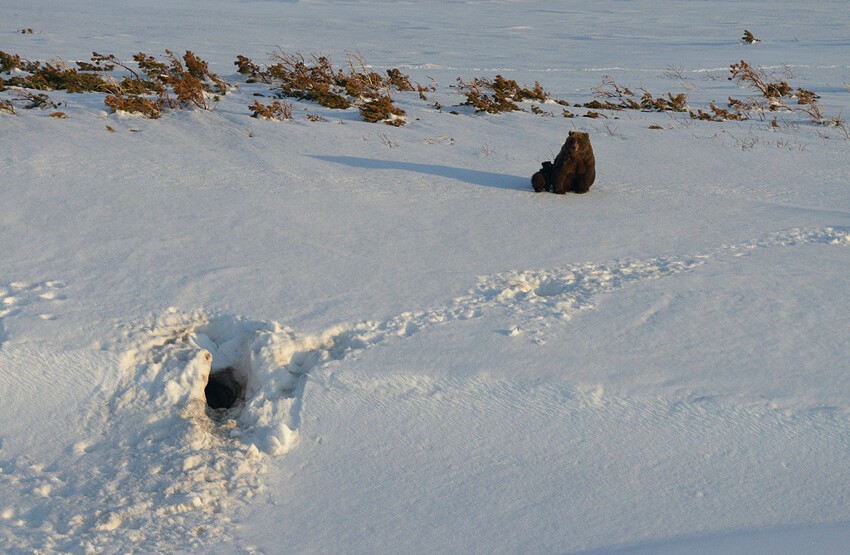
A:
[622, 98]
[147, 107]
[772, 93]
[171, 83]
[50, 76]
[382, 110]
[498, 95]
[274, 111]
[316, 80]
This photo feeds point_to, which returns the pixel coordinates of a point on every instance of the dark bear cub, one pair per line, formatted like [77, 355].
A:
[542, 179]
[574, 169]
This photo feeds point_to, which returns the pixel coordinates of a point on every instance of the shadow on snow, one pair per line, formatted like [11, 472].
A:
[475, 177]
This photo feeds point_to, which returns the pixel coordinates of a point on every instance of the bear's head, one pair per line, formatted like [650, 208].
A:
[577, 141]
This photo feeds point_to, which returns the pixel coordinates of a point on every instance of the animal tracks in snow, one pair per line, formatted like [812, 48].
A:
[537, 298]
[160, 469]
[22, 298]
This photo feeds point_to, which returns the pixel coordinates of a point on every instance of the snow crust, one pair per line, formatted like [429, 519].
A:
[431, 357]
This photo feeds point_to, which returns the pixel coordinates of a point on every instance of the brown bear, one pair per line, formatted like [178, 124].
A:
[542, 179]
[574, 169]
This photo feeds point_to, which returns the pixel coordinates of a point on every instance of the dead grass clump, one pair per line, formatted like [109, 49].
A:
[718, 114]
[755, 79]
[491, 103]
[316, 80]
[616, 97]
[48, 76]
[7, 107]
[274, 111]
[671, 103]
[190, 80]
[10, 62]
[382, 109]
[499, 95]
[35, 100]
[171, 83]
[254, 73]
[602, 105]
[97, 66]
[399, 80]
[134, 103]
[772, 95]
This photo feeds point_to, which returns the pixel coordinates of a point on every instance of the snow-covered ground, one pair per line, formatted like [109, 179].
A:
[435, 359]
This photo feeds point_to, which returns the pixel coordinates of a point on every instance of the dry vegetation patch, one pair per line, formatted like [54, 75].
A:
[315, 79]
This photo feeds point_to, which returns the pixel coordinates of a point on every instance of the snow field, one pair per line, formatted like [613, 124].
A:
[174, 456]
[430, 358]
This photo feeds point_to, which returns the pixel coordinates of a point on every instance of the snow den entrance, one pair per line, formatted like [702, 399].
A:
[223, 390]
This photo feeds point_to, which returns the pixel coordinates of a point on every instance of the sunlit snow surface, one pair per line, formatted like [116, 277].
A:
[431, 357]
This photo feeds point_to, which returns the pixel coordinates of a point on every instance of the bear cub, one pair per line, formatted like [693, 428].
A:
[574, 169]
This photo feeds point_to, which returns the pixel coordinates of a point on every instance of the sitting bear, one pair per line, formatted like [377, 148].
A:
[574, 169]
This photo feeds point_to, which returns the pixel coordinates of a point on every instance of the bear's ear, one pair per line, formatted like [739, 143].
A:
[573, 133]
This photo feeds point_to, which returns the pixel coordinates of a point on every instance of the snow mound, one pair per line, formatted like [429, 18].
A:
[160, 468]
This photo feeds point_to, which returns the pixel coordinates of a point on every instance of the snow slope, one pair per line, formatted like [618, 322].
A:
[433, 358]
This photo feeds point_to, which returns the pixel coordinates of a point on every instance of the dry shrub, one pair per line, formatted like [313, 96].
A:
[50, 76]
[316, 80]
[7, 107]
[755, 79]
[147, 107]
[96, 66]
[616, 97]
[274, 111]
[254, 73]
[772, 94]
[492, 103]
[171, 83]
[59, 115]
[498, 95]
[382, 110]
[720, 114]
[35, 100]
[399, 80]
[10, 62]
[190, 83]
[671, 103]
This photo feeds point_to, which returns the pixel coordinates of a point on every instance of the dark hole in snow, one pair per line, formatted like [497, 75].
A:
[222, 390]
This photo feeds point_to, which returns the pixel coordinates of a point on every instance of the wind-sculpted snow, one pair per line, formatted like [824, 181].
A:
[24, 298]
[161, 471]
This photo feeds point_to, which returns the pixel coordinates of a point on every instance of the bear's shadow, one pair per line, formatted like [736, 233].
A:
[475, 177]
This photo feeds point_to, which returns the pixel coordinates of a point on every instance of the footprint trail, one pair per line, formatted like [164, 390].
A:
[158, 469]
